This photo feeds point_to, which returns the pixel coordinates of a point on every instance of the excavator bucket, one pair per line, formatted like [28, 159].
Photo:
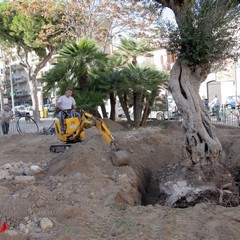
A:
[119, 158]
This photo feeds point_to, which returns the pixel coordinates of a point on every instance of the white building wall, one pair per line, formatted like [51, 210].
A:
[203, 87]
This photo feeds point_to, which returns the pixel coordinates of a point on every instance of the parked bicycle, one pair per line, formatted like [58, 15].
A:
[26, 124]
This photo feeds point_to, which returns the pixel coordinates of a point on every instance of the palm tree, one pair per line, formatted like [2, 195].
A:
[76, 62]
[131, 49]
[142, 83]
[108, 80]
[81, 57]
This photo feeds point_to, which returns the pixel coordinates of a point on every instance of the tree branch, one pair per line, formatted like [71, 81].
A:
[23, 62]
[44, 61]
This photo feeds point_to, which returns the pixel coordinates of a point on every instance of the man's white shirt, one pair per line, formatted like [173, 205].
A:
[66, 102]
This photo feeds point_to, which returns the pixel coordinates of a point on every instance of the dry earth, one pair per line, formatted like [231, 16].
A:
[83, 196]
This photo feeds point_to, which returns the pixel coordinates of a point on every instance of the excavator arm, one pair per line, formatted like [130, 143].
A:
[89, 120]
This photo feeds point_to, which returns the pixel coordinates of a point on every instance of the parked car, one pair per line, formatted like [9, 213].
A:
[50, 107]
[159, 112]
[29, 110]
[168, 111]
[22, 110]
[231, 102]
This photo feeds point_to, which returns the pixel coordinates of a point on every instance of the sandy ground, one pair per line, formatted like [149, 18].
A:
[86, 197]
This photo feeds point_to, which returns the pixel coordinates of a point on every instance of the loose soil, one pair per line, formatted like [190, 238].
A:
[86, 197]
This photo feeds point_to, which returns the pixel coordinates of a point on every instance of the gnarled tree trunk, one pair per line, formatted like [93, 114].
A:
[201, 145]
[203, 177]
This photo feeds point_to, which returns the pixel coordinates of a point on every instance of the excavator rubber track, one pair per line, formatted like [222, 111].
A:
[59, 148]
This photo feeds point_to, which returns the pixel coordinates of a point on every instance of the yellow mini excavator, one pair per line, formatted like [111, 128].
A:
[74, 132]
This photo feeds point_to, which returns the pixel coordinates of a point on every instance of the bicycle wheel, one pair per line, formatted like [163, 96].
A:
[26, 124]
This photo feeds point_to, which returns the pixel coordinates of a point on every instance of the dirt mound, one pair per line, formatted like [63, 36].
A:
[86, 197]
[113, 126]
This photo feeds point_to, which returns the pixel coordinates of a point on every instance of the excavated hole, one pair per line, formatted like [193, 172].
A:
[151, 195]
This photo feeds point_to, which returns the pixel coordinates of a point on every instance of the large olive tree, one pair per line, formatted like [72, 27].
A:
[204, 36]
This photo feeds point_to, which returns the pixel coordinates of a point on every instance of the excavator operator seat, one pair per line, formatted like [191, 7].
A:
[71, 127]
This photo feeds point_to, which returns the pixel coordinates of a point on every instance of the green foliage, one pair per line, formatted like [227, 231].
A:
[77, 65]
[131, 49]
[88, 99]
[81, 58]
[108, 78]
[105, 76]
[25, 24]
[58, 74]
[206, 32]
[142, 79]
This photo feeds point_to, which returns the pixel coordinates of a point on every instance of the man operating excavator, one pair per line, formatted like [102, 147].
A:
[69, 128]
[66, 105]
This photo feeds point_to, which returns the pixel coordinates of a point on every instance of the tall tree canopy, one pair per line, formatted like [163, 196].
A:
[32, 27]
[103, 20]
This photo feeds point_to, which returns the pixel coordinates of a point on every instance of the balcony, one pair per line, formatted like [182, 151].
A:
[19, 79]
[17, 93]
[14, 68]
[17, 67]
[20, 93]
[6, 95]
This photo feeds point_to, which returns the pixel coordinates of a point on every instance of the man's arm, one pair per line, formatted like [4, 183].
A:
[59, 104]
[73, 104]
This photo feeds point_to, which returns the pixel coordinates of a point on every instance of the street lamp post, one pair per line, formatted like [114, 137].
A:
[1, 96]
[11, 83]
[1, 81]
[235, 76]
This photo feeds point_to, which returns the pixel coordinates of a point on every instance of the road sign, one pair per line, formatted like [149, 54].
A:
[12, 94]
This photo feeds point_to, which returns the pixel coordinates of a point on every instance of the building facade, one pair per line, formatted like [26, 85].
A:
[20, 80]
[222, 83]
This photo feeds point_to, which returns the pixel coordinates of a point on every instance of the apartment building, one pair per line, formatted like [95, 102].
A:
[160, 58]
[21, 88]
[223, 83]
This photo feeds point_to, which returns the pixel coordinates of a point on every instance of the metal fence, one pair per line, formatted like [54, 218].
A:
[228, 117]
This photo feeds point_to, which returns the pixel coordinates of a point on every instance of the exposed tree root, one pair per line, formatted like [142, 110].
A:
[183, 187]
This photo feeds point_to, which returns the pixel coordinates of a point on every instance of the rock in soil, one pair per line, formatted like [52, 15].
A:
[46, 223]
[24, 179]
[4, 174]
